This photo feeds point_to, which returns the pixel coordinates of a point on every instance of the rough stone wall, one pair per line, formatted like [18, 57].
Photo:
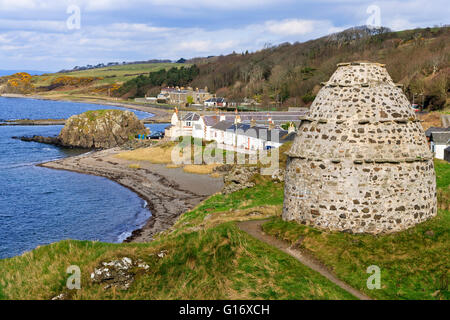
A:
[360, 162]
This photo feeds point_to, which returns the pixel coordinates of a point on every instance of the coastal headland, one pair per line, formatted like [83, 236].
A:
[169, 192]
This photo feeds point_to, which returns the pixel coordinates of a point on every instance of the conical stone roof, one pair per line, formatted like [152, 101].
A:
[360, 161]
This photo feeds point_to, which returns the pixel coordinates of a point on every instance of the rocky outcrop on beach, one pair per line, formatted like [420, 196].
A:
[101, 129]
[40, 139]
[238, 178]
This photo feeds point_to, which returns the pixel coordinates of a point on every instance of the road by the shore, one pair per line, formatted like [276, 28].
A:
[168, 192]
[61, 122]
[159, 115]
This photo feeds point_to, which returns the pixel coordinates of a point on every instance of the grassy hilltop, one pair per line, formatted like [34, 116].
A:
[109, 75]
[209, 257]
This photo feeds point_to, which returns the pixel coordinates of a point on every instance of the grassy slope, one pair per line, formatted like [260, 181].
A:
[210, 258]
[217, 261]
[442, 174]
[414, 264]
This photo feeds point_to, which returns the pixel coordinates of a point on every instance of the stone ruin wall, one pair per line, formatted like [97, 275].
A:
[360, 163]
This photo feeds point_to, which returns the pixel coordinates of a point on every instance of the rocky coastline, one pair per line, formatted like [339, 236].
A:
[169, 192]
[41, 139]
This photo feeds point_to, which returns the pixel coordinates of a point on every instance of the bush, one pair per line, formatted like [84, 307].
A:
[307, 98]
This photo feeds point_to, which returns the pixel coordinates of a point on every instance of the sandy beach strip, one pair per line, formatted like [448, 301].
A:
[169, 192]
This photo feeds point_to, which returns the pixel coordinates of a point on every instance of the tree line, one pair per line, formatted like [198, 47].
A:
[140, 85]
[290, 74]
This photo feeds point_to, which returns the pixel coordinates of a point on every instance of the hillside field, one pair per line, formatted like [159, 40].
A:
[110, 75]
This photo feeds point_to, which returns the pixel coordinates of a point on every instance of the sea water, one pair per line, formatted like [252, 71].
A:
[38, 205]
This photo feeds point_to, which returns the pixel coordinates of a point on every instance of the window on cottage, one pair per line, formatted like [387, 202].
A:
[188, 123]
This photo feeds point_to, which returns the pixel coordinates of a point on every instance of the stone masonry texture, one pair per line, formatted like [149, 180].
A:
[360, 162]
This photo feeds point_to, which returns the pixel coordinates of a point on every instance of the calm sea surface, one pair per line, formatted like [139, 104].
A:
[39, 205]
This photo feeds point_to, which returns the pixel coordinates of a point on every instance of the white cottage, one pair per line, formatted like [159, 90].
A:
[439, 142]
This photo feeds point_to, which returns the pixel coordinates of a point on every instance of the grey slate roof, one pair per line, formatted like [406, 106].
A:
[440, 137]
[218, 100]
[430, 130]
[191, 116]
[223, 125]
[261, 132]
[211, 120]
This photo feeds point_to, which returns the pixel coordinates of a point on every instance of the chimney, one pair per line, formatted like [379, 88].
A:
[271, 125]
[291, 127]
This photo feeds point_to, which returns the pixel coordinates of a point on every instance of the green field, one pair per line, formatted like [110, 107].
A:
[110, 75]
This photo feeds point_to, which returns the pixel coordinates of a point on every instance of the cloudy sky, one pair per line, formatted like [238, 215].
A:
[54, 34]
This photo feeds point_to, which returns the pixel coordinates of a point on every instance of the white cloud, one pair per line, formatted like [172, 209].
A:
[137, 27]
[123, 41]
[290, 26]
[117, 30]
[118, 5]
[34, 25]
[196, 45]
[400, 24]
[397, 14]
[100, 5]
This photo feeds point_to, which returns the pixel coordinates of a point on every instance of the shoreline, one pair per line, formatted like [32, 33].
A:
[168, 192]
[174, 192]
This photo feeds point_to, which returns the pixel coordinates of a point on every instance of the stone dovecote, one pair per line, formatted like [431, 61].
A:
[360, 162]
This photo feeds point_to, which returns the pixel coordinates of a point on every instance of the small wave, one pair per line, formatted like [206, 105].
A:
[123, 236]
[19, 165]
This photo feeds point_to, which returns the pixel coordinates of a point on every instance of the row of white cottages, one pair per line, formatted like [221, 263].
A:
[246, 131]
